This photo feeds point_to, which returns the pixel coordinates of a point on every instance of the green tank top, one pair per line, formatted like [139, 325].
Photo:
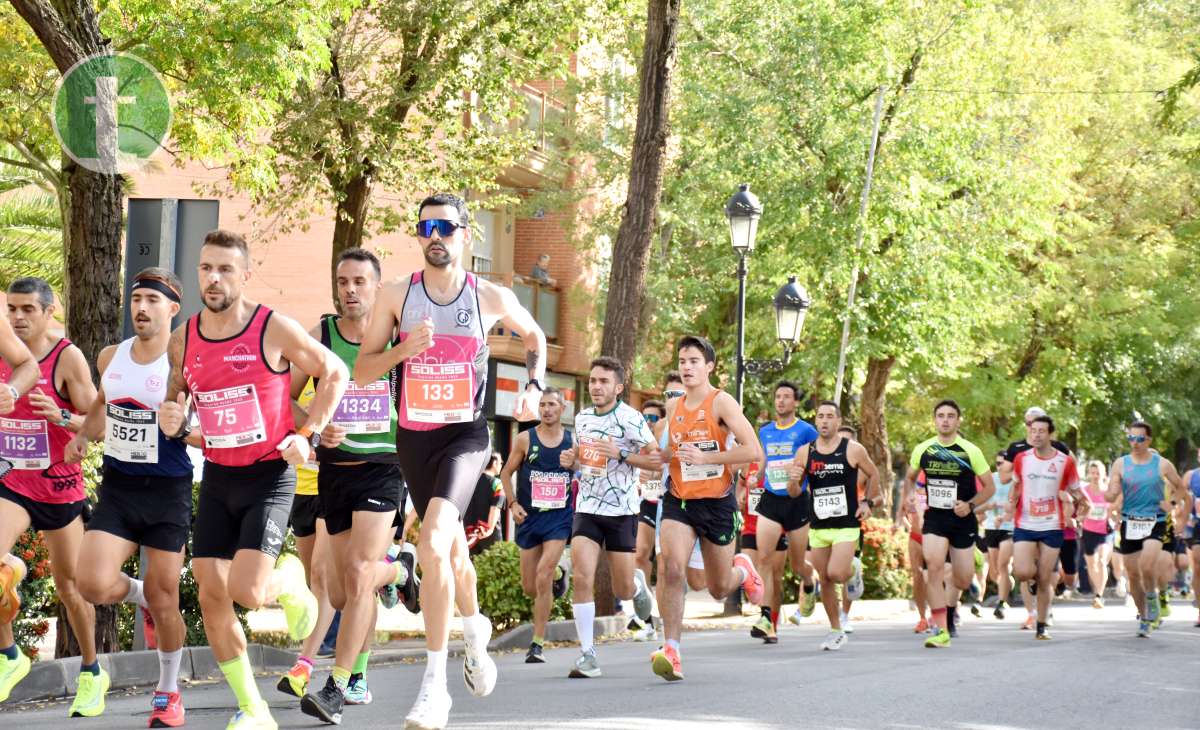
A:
[368, 413]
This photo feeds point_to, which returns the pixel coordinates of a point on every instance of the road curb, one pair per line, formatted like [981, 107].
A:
[59, 677]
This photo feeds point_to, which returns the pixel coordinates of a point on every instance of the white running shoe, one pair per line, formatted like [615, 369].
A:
[834, 641]
[854, 587]
[431, 711]
[643, 599]
[479, 669]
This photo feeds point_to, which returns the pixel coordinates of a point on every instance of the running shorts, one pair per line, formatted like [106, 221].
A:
[445, 462]
[791, 512]
[42, 515]
[716, 519]
[243, 508]
[348, 488]
[614, 533]
[154, 511]
[542, 526]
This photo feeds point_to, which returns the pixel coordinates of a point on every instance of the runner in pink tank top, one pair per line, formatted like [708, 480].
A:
[439, 317]
[42, 491]
[233, 359]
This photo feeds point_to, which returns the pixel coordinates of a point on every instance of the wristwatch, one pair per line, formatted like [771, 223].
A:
[537, 384]
[16, 393]
[184, 431]
[66, 417]
[313, 437]
[622, 455]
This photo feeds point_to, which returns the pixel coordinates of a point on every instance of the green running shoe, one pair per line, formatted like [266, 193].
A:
[940, 640]
[299, 603]
[808, 602]
[89, 696]
[12, 671]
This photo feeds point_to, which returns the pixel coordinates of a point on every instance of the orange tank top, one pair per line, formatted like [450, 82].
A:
[702, 429]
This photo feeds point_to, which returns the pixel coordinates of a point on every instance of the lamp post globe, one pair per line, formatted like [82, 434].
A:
[743, 211]
[791, 306]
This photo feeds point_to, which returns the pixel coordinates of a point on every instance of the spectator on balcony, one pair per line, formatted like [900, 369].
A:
[541, 272]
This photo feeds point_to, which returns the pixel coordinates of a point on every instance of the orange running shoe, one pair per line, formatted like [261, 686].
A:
[12, 572]
[921, 627]
[166, 710]
[666, 664]
[148, 630]
[753, 584]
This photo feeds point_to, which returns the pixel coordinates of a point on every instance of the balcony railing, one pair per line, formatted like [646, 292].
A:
[541, 300]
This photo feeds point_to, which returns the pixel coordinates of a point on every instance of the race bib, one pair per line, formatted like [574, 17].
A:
[26, 444]
[652, 489]
[1042, 507]
[365, 408]
[131, 435]
[1098, 512]
[777, 475]
[592, 463]
[942, 493]
[438, 392]
[231, 417]
[752, 500]
[701, 472]
[830, 502]
[1138, 529]
[549, 490]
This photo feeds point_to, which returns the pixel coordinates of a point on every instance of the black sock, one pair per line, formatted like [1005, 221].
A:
[766, 611]
[809, 587]
[1041, 627]
[950, 616]
[11, 652]
[93, 668]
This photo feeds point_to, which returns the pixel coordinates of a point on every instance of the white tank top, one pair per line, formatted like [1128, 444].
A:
[133, 392]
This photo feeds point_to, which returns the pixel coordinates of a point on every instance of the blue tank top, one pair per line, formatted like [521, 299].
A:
[781, 446]
[542, 465]
[1142, 485]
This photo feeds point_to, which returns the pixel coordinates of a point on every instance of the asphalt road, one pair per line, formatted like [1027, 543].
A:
[1094, 674]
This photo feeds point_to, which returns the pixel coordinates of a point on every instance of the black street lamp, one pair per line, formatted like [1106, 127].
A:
[791, 301]
[791, 305]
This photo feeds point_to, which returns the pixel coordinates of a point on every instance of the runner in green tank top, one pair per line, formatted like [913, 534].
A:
[361, 491]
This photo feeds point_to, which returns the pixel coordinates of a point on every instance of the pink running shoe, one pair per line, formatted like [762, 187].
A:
[753, 585]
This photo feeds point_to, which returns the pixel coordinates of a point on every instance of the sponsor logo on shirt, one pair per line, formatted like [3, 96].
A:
[240, 357]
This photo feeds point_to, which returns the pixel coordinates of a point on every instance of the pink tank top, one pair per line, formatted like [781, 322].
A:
[446, 383]
[1097, 519]
[35, 446]
[244, 405]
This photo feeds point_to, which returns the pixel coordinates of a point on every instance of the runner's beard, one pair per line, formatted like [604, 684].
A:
[220, 306]
[437, 261]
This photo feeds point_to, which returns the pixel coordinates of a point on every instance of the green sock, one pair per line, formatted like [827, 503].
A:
[341, 678]
[360, 664]
[240, 676]
[539, 640]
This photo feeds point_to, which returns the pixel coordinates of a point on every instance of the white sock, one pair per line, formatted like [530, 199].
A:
[473, 626]
[435, 667]
[135, 594]
[742, 571]
[168, 670]
[585, 618]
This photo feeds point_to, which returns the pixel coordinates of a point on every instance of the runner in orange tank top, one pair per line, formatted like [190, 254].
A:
[701, 502]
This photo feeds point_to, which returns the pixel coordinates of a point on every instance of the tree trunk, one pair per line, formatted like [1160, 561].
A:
[873, 428]
[354, 203]
[65, 643]
[70, 32]
[93, 259]
[631, 250]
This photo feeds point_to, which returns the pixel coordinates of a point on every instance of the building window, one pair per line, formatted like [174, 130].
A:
[484, 243]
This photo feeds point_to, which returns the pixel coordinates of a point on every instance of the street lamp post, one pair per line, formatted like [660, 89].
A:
[791, 305]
